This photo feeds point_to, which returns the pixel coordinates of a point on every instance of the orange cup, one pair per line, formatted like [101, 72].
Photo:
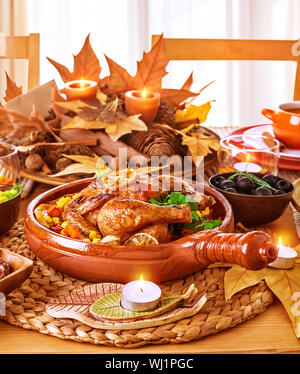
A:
[286, 123]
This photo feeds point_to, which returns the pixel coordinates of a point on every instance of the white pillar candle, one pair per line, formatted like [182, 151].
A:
[285, 258]
[140, 296]
[250, 167]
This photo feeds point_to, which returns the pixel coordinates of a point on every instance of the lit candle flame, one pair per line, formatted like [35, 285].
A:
[279, 241]
[82, 83]
[248, 158]
[144, 93]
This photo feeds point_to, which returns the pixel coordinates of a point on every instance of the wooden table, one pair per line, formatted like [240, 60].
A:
[269, 332]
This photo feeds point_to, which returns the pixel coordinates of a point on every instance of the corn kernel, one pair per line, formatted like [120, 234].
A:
[63, 201]
[93, 234]
[96, 240]
[86, 240]
[55, 220]
[48, 219]
[64, 224]
[75, 196]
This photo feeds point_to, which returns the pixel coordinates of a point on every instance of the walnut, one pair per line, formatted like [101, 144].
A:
[34, 162]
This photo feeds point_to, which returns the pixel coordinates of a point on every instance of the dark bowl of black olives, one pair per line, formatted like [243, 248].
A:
[256, 199]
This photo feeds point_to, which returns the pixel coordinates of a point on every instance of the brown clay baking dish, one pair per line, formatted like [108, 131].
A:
[114, 263]
[20, 269]
[102, 263]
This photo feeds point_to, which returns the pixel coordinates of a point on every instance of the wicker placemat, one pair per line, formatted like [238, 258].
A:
[25, 307]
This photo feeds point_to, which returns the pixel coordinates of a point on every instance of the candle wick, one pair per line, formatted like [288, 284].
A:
[141, 289]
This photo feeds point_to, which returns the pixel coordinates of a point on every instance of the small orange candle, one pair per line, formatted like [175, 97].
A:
[142, 102]
[80, 89]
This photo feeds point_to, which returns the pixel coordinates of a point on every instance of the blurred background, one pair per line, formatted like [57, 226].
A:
[122, 30]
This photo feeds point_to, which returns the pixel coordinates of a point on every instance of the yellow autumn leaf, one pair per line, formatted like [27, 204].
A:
[84, 164]
[285, 284]
[199, 146]
[115, 130]
[192, 112]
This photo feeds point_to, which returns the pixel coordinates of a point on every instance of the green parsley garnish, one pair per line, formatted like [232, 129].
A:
[198, 223]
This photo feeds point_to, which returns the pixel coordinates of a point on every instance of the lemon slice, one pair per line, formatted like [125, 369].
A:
[296, 195]
[119, 179]
[141, 239]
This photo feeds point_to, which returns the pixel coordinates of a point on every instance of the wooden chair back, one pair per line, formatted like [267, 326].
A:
[24, 47]
[234, 49]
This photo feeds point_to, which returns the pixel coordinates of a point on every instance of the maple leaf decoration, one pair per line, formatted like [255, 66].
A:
[150, 71]
[25, 124]
[106, 116]
[285, 284]
[12, 90]
[86, 65]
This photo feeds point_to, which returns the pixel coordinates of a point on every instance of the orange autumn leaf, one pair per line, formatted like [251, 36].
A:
[175, 97]
[86, 65]
[119, 79]
[12, 90]
[5, 125]
[188, 83]
[152, 68]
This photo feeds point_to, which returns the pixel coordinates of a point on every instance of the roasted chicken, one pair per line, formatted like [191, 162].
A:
[123, 212]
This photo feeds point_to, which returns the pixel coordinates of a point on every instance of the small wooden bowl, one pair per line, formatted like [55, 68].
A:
[121, 264]
[9, 210]
[251, 210]
[21, 267]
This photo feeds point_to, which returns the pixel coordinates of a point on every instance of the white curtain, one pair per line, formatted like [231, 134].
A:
[122, 30]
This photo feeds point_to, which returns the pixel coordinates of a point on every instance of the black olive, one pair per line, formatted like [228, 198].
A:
[278, 192]
[217, 180]
[244, 185]
[263, 191]
[231, 189]
[270, 179]
[227, 184]
[284, 185]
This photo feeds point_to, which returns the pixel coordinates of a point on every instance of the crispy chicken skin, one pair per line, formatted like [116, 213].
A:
[127, 211]
[122, 217]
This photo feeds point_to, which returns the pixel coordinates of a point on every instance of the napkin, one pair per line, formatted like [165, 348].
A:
[40, 97]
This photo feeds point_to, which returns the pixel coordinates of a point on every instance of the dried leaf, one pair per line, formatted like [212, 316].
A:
[5, 124]
[119, 79]
[75, 168]
[175, 97]
[192, 112]
[24, 124]
[115, 129]
[285, 284]
[12, 90]
[199, 145]
[74, 106]
[152, 68]
[188, 83]
[84, 164]
[86, 65]
[108, 112]
[64, 72]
